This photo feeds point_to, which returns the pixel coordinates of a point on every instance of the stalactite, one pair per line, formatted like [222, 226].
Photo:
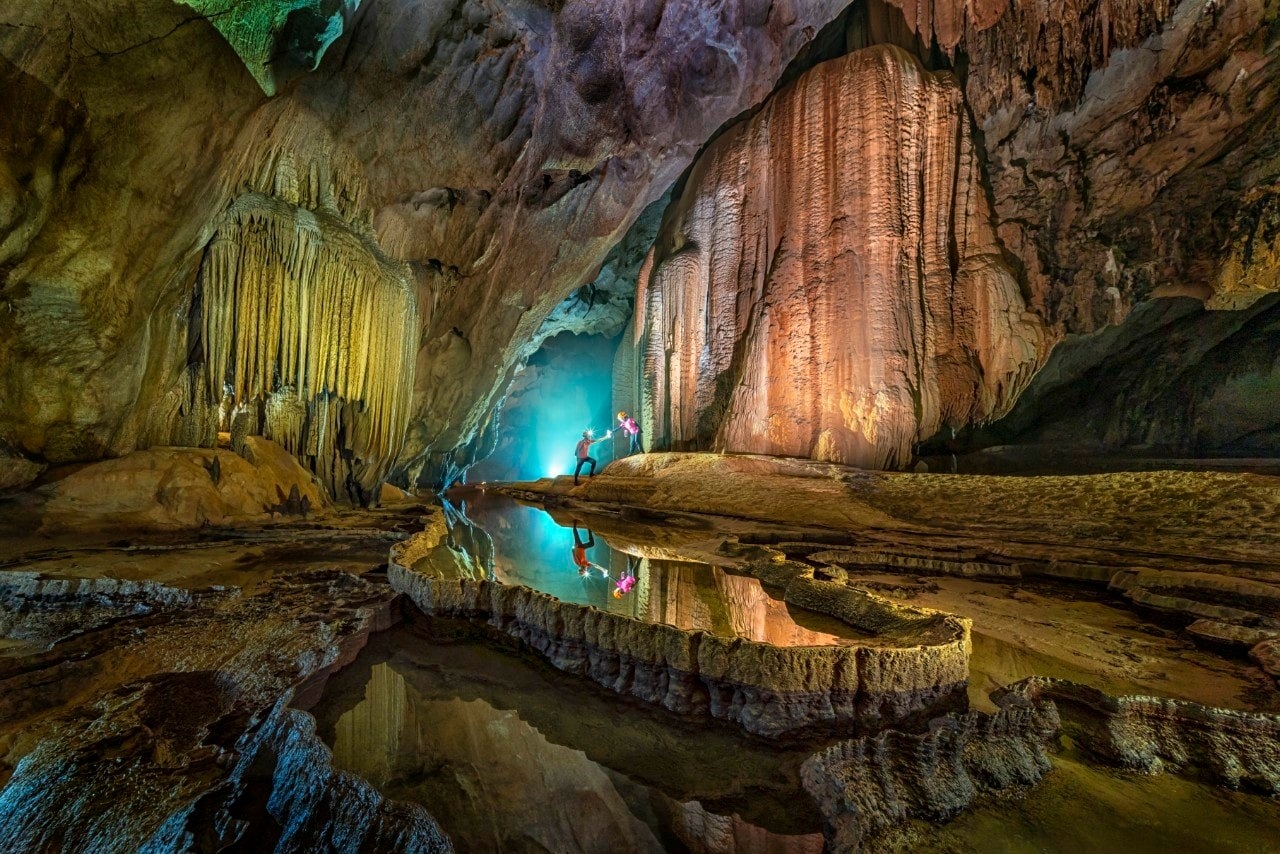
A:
[304, 314]
[286, 415]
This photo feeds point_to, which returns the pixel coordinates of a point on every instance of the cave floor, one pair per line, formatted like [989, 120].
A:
[133, 663]
[1072, 632]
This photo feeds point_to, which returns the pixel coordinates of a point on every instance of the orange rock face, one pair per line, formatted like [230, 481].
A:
[829, 284]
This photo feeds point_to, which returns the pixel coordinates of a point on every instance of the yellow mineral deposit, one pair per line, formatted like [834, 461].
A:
[303, 312]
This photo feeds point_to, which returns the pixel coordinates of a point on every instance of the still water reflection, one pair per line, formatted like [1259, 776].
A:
[510, 756]
[516, 544]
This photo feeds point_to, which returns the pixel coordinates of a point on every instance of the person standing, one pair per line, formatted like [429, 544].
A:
[583, 453]
[628, 425]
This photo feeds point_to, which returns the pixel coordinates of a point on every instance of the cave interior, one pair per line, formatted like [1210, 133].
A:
[711, 426]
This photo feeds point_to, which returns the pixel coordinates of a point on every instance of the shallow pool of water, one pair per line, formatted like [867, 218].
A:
[509, 755]
[527, 546]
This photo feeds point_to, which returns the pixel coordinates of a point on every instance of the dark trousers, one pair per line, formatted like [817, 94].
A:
[635, 444]
[583, 462]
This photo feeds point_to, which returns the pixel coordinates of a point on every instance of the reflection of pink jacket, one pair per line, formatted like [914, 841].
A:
[626, 582]
[630, 426]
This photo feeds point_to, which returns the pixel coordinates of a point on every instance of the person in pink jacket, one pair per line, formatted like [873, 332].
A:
[628, 425]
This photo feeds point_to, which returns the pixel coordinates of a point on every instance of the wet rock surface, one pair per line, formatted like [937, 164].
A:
[868, 785]
[145, 716]
[1152, 735]
[175, 687]
[1223, 599]
[575, 767]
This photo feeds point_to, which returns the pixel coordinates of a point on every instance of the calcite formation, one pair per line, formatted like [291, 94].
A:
[918, 668]
[1156, 735]
[180, 711]
[866, 785]
[505, 149]
[829, 284]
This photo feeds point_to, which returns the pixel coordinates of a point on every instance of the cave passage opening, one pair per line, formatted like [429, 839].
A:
[565, 388]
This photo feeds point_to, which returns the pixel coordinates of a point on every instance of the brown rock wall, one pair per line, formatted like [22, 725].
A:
[498, 149]
[829, 284]
[183, 488]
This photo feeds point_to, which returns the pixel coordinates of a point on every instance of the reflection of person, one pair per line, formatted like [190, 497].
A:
[628, 425]
[624, 584]
[580, 552]
[583, 453]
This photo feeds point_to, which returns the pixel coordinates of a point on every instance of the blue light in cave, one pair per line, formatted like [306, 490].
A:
[566, 387]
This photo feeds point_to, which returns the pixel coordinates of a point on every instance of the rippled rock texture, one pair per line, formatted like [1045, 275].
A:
[867, 785]
[1155, 735]
[829, 283]
[491, 154]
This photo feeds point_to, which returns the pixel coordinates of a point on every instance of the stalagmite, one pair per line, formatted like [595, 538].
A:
[829, 284]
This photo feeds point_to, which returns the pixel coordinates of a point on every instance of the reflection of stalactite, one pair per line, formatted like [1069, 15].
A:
[304, 314]
[367, 738]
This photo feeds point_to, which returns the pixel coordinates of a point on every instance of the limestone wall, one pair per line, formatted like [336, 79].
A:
[829, 284]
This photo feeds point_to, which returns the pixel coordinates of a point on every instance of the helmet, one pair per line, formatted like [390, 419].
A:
[586, 434]
[622, 414]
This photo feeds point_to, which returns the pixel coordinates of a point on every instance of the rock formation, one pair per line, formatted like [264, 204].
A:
[866, 785]
[1156, 735]
[182, 488]
[917, 668]
[503, 150]
[1172, 379]
[277, 40]
[829, 284]
[178, 734]
[1124, 142]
